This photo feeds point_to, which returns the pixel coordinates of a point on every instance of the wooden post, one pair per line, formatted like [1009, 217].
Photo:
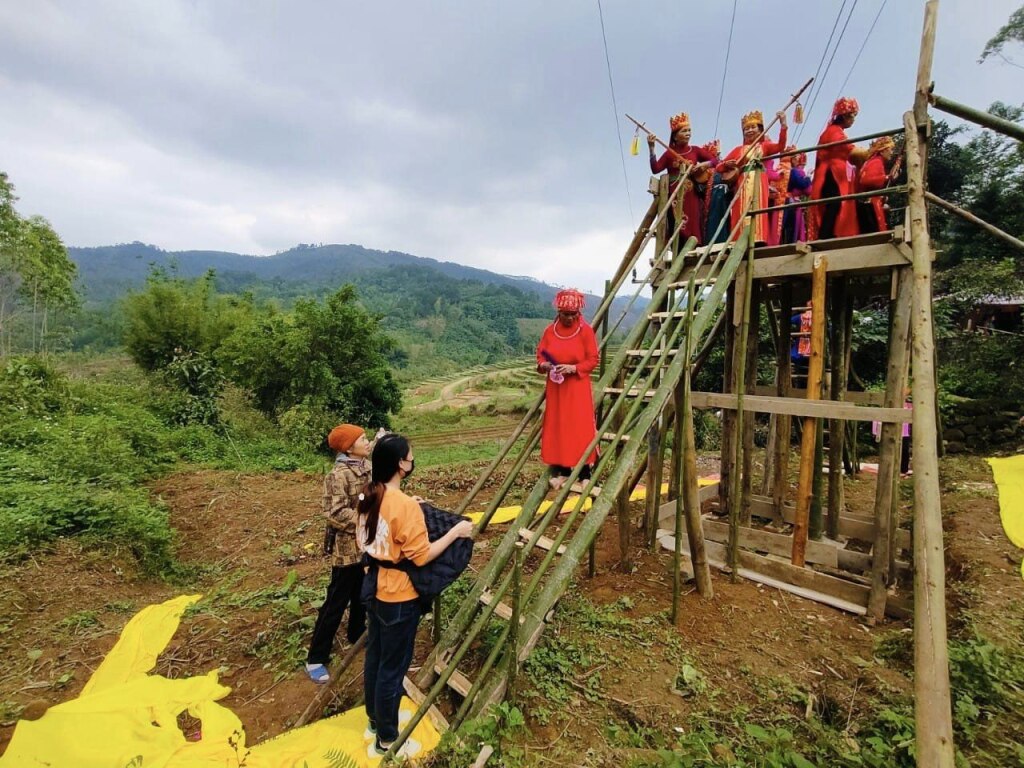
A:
[784, 425]
[315, 707]
[728, 415]
[815, 520]
[677, 469]
[622, 505]
[753, 336]
[740, 355]
[932, 707]
[889, 441]
[691, 504]
[841, 307]
[807, 438]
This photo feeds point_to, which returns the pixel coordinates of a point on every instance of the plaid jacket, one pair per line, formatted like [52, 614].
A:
[342, 487]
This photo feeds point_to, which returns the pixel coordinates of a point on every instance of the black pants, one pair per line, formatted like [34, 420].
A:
[342, 593]
[389, 648]
[829, 211]
[558, 470]
[905, 455]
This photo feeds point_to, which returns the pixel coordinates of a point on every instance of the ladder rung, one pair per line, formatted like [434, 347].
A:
[417, 697]
[611, 436]
[501, 610]
[634, 392]
[677, 313]
[458, 682]
[543, 542]
[698, 284]
[654, 353]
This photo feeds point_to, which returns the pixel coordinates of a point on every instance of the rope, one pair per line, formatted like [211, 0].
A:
[725, 69]
[828, 66]
[821, 61]
[615, 112]
[862, 46]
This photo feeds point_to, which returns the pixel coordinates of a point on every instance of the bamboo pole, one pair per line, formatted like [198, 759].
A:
[981, 117]
[513, 636]
[784, 424]
[807, 438]
[315, 707]
[852, 140]
[749, 381]
[889, 441]
[932, 708]
[773, 421]
[682, 404]
[691, 492]
[837, 429]
[815, 518]
[736, 504]
[725, 464]
[1006, 237]
[898, 190]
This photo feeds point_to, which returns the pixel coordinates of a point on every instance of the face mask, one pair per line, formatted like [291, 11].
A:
[412, 467]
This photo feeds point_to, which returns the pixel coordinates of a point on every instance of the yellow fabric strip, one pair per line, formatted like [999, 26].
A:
[1009, 476]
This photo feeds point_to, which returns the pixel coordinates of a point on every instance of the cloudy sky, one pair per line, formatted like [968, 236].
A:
[473, 131]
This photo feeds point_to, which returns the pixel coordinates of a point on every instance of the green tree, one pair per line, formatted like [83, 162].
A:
[328, 359]
[172, 317]
[1011, 31]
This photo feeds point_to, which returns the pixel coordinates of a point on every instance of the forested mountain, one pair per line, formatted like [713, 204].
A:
[443, 315]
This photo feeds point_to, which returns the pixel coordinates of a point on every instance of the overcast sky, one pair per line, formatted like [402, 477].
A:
[473, 131]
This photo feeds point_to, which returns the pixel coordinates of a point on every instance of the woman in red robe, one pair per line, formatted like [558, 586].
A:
[676, 160]
[751, 181]
[567, 353]
[874, 175]
[832, 178]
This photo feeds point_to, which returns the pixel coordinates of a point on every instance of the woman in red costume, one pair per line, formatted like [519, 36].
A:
[676, 160]
[832, 178]
[874, 175]
[567, 353]
[750, 185]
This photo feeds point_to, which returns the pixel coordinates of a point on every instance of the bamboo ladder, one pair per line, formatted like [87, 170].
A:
[649, 381]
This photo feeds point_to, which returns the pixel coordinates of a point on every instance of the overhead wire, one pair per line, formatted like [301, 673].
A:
[615, 112]
[828, 66]
[821, 61]
[861, 50]
[725, 69]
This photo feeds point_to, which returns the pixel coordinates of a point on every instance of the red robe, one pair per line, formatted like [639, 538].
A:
[691, 202]
[746, 187]
[569, 407]
[831, 178]
[872, 176]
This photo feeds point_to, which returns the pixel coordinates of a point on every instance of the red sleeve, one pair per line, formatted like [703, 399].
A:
[872, 175]
[734, 154]
[703, 156]
[593, 356]
[659, 165]
[542, 345]
[770, 147]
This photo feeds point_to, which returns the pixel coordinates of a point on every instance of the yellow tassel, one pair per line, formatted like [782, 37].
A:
[798, 113]
[634, 146]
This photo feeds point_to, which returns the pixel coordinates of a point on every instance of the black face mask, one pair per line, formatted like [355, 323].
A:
[412, 467]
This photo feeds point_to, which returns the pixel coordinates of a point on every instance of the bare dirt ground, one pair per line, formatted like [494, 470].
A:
[243, 535]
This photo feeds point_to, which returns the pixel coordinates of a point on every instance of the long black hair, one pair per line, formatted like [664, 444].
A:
[389, 450]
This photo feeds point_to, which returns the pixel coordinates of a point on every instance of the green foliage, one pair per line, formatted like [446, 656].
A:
[172, 317]
[199, 384]
[499, 728]
[1011, 31]
[984, 367]
[329, 357]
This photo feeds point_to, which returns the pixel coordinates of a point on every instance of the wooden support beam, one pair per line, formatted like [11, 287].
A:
[750, 379]
[807, 439]
[986, 119]
[728, 417]
[1006, 237]
[784, 389]
[805, 408]
[800, 393]
[842, 314]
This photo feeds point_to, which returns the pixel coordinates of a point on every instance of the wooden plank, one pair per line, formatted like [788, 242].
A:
[485, 754]
[859, 398]
[418, 698]
[814, 409]
[654, 352]
[773, 543]
[543, 541]
[458, 682]
[706, 492]
[611, 436]
[850, 526]
[634, 392]
[501, 610]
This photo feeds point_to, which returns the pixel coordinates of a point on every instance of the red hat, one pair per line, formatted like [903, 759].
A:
[344, 436]
[845, 106]
[569, 300]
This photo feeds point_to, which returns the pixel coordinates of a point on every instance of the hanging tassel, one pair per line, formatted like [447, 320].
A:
[798, 113]
[634, 146]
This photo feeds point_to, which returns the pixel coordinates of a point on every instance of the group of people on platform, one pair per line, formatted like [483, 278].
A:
[717, 192]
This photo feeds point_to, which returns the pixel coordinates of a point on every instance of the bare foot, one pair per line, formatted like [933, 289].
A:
[557, 482]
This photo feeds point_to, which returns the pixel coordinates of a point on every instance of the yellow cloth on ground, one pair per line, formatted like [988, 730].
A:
[508, 514]
[1009, 477]
[127, 718]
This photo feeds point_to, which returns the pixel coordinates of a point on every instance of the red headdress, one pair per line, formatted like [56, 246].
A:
[714, 147]
[682, 120]
[569, 300]
[845, 106]
[881, 144]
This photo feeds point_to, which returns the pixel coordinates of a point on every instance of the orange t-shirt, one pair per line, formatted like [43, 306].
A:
[401, 535]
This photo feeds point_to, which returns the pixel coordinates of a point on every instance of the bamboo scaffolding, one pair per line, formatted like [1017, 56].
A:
[898, 190]
[842, 310]
[784, 424]
[807, 438]
[981, 117]
[740, 356]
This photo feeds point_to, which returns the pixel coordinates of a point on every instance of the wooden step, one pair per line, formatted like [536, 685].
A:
[654, 353]
[667, 315]
[611, 436]
[417, 697]
[501, 610]
[634, 392]
[543, 542]
[458, 682]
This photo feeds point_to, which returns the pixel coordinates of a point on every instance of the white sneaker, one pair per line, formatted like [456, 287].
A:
[410, 749]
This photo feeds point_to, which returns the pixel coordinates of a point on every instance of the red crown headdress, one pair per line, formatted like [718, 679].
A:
[682, 120]
[752, 118]
[881, 144]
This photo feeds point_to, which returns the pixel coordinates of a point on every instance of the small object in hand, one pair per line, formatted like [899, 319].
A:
[555, 376]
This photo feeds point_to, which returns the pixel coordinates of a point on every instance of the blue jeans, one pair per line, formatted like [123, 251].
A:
[390, 639]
